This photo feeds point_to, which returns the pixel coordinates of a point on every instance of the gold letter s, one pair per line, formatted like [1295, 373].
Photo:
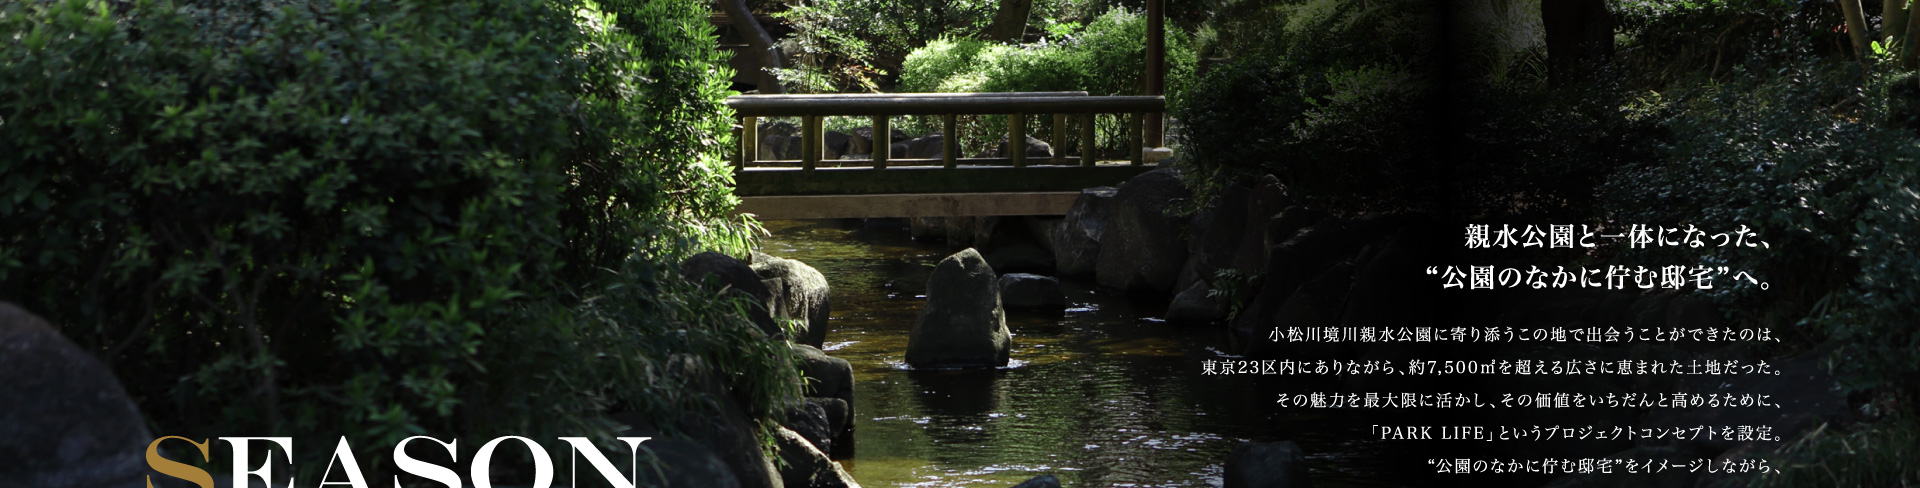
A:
[178, 469]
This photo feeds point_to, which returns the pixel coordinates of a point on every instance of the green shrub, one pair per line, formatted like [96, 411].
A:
[1809, 158]
[1775, 125]
[1668, 42]
[1334, 98]
[858, 45]
[373, 219]
[1360, 106]
[861, 45]
[930, 68]
[1107, 57]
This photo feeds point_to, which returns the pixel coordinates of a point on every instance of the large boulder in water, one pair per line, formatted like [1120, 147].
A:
[806, 466]
[1144, 248]
[1077, 244]
[839, 424]
[799, 293]
[962, 324]
[1268, 200]
[927, 228]
[1032, 292]
[717, 422]
[1216, 234]
[1042, 481]
[811, 421]
[959, 230]
[830, 378]
[827, 376]
[722, 272]
[1196, 305]
[1014, 245]
[65, 422]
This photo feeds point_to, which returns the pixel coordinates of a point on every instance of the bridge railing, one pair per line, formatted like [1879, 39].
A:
[883, 106]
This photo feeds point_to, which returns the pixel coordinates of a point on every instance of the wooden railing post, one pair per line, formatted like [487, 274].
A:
[1134, 112]
[949, 142]
[1153, 131]
[749, 142]
[812, 142]
[1087, 142]
[882, 140]
[1017, 140]
[1137, 137]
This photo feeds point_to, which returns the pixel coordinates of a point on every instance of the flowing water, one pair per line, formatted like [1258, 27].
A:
[1103, 395]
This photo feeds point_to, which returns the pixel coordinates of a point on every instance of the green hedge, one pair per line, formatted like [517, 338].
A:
[373, 219]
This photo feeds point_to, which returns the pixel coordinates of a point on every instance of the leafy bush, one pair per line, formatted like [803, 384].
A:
[373, 219]
[1334, 98]
[1360, 106]
[1814, 162]
[1107, 57]
[1668, 42]
[948, 65]
[856, 44]
[861, 45]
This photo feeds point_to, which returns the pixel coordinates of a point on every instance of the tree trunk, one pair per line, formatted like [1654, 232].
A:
[1856, 27]
[1893, 20]
[758, 42]
[1907, 51]
[1010, 22]
[1577, 32]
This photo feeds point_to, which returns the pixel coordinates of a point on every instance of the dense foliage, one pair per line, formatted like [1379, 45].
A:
[862, 45]
[1333, 97]
[854, 45]
[1106, 57]
[1717, 114]
[1818, 155]
[374, 219]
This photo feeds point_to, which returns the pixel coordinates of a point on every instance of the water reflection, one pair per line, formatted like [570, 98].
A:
[962, 396]
[1101, 396]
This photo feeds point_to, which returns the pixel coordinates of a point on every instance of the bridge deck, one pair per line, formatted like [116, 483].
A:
[792, 193]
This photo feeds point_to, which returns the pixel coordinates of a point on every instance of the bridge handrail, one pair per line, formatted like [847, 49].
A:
[788, 106]
[811, 108]
[920, 94]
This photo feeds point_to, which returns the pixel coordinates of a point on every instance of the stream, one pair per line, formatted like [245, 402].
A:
[1104, 395]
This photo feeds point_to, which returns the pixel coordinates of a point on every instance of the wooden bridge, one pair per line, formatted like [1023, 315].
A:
[950, 185]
